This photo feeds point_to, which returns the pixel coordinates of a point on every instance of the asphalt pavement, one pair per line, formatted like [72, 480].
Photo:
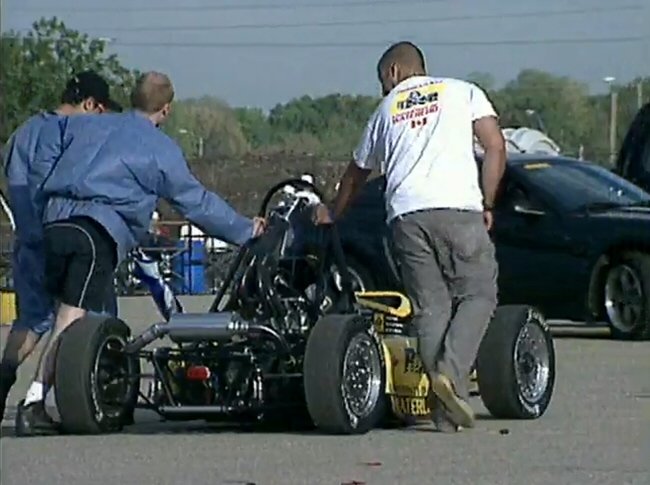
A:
[596, 431]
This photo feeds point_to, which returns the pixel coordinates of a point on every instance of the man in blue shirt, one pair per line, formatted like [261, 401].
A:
[101, 195]
[37, 138]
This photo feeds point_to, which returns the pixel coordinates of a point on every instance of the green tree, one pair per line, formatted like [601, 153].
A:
[336, 121]
[209, 125]
[561, 104]
[255, 126]
[484, 80]
[36, 66]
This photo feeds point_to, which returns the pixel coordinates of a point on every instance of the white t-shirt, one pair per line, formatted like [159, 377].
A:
[421, 137]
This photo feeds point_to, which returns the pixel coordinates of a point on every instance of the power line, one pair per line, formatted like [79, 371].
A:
[339, 23]
[310, 45]
[237, 6]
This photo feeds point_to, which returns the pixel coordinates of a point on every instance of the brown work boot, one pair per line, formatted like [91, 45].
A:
[458, 410]
[440, 415]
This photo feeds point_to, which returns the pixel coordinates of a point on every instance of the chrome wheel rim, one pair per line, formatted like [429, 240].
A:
[623, 298]
[532, 362]
[361, 383]
[355, 277]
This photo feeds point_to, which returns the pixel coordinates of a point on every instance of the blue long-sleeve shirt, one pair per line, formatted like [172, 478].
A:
[32, 150]
[114, 167]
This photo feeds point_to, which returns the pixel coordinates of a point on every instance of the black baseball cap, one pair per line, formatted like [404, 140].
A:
[89, 84]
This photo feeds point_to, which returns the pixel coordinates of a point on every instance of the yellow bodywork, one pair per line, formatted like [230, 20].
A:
[374, 300]
[7, 307]
[407, 384]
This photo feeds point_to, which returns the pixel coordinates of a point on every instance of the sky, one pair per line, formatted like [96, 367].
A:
[264, 52]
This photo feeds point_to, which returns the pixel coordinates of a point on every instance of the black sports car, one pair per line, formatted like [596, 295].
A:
[572, 238]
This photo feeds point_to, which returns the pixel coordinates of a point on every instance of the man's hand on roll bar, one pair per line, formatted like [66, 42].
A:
[322, 215]
[259, 226]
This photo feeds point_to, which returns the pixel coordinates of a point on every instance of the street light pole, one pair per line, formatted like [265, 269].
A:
[538, 119]
[613, 110]
[200, 146]
[639, 93]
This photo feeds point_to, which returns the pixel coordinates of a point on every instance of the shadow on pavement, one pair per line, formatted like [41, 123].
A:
[7, 432]
[580, 331]
[201, 427]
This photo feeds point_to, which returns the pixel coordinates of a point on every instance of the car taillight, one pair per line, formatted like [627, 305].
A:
[197, 373]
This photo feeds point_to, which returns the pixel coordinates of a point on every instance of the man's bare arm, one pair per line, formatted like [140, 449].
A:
[351, 182]
[489, 135]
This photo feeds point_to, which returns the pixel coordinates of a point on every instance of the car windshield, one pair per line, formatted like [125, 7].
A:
[582, 185]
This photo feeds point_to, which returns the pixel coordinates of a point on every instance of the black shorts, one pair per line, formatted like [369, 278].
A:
[80, 259]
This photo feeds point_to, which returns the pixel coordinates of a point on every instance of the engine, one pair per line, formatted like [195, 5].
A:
[247, 358]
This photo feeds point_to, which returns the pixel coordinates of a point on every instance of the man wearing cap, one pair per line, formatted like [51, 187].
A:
[101, 193]
[29, 156]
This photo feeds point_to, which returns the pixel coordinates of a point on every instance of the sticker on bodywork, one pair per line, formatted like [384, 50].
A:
[537, 165]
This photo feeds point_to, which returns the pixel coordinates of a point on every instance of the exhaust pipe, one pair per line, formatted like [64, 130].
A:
[196, 327]
[171, 410]
[190, 327]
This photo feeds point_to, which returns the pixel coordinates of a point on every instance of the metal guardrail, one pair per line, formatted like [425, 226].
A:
[6, 248]
[184, 256]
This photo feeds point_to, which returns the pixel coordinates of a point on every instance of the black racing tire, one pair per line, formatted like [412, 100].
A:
[635, 267]
[516, 364]
[324, 381]
[359, 271]
[362, 279]
[89, 342]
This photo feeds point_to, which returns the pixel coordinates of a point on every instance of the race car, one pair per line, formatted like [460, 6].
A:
[282, 341]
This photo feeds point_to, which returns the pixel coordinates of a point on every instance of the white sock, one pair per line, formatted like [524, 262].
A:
[34, 393]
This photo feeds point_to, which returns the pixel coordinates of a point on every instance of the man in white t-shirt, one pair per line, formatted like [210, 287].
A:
[422, 138]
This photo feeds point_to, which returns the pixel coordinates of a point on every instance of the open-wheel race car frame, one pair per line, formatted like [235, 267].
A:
[287, 337]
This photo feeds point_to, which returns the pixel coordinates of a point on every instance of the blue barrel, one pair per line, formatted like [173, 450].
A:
[191, 265]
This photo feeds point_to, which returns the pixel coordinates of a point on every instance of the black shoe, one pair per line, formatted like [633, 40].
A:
[32, 419]
[7, 380]
[128, 419]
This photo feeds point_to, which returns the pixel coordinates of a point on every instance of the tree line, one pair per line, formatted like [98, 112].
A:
[36, 65]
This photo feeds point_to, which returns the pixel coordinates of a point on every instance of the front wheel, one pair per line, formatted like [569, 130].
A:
[516, 364]
[627, 297]
[344, 375]
[96, 384]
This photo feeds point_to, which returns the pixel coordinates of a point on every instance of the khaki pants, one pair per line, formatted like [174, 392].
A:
[449, 271]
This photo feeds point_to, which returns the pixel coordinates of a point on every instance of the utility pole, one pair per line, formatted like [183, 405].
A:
[613, 118]
[639, 93]
[200, 147]
[613, 109]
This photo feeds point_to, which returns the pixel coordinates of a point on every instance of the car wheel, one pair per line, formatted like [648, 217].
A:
[516, 364]
[627, 297]
[361, 278]
[344, 375]
[97, 385]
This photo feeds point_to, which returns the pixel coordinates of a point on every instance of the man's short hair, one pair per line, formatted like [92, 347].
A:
[404, 53]
[152, 91]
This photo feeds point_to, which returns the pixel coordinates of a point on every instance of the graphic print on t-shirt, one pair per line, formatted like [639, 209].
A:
[414, 104]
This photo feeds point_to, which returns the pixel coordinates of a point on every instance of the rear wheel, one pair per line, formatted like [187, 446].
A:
[627, 297]
[344, 375]
[516, 364]
[97, 385]
[361, 278]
